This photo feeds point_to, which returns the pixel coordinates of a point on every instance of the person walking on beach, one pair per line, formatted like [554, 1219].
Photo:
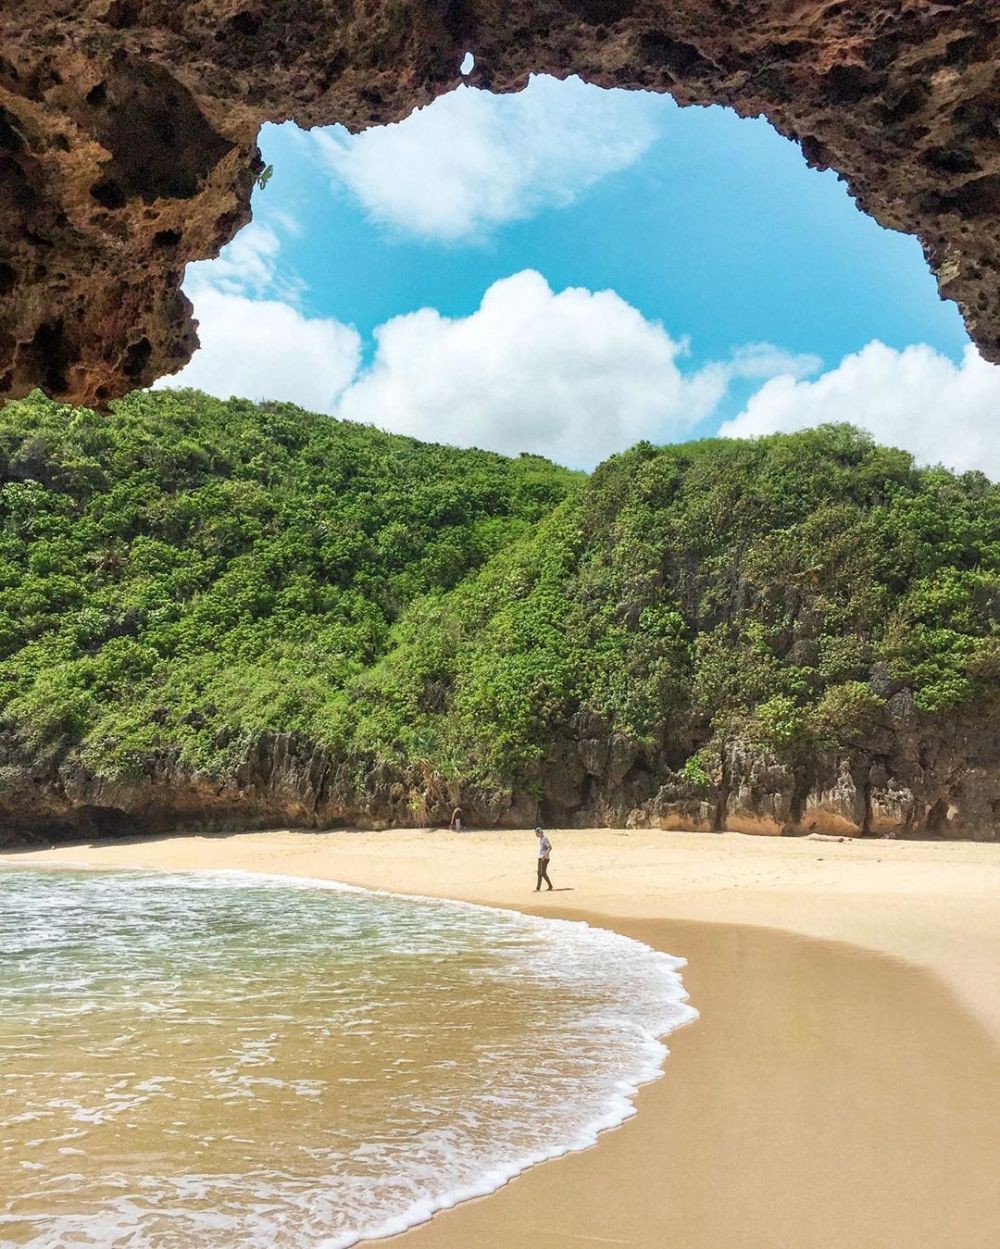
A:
[544, 850]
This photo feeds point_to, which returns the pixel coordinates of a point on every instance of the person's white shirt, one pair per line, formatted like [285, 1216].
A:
[544, 847]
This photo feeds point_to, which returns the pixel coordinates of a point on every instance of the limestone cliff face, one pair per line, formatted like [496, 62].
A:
[283, 780]
[909, 778]
[128, 132]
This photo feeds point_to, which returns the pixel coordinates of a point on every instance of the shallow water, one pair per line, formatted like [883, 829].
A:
[228, 1060]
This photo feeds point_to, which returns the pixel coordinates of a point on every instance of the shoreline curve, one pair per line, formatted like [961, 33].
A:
[842, 1085]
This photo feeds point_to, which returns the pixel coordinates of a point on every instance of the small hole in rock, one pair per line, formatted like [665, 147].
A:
[97, 96]
[468, 64]
[122, 15]
[108, 194]
[245, 23]
[137, 357]
[10, 138]
[166, 238]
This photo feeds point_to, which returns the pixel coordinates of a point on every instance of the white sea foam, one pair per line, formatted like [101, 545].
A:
[399, 1055]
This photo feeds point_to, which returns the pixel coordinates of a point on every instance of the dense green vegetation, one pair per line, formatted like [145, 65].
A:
[183, 573]
[779, 588]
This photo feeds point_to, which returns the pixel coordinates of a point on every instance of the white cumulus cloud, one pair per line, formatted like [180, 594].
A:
[575, 375]
[249, 265]
[916, 398]
[256, 341]
[471, 161]
[267, 349]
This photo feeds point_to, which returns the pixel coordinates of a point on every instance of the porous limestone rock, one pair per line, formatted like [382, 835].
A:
[128, 132]
[944, 781]
[835, 803]
[759, 790]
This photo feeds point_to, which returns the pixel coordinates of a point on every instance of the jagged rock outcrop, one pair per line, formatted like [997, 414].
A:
[938, 779]
[128, 132]
[283, 779]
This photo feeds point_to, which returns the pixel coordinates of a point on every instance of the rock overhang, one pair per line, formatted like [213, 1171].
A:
[128, 132]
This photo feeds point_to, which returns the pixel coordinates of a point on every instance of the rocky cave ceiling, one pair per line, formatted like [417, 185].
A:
[128, 132]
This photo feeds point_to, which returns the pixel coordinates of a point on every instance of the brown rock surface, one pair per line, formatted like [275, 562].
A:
[128, 132]
[941, 780]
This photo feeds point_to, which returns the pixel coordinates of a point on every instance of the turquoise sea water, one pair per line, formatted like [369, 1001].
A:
[227, 1060]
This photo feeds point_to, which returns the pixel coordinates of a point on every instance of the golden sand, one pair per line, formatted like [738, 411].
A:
[842, 1087]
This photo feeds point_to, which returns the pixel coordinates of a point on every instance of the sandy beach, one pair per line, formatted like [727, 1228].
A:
[842, 1085]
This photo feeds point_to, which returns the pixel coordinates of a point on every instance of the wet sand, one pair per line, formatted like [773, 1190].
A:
[842, 1086]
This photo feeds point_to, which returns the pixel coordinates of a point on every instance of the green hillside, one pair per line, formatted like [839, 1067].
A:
[184, 572]
[780, 589]
[186, 575]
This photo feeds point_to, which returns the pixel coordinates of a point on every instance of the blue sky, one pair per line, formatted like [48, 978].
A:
[749, 293]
